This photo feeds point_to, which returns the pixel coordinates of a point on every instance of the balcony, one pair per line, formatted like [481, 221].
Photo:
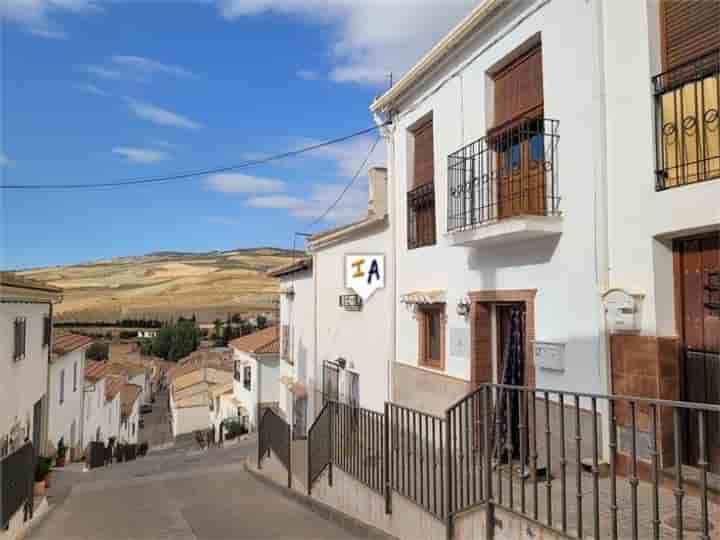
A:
[503, 188]
[687, 134]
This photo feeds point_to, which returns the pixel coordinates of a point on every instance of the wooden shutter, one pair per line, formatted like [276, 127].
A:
[424, 157]
[519, 88]
[689, 29]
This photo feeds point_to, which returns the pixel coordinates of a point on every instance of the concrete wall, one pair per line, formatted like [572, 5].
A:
[364, 338]
[189, 419]
[63, 415]
[94, 411]
[264, 382]
[568, 309]
[24, 382]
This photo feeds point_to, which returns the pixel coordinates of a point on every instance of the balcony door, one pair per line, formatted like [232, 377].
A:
[517, 137]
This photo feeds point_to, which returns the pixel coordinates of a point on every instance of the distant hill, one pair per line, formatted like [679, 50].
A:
[167, 284]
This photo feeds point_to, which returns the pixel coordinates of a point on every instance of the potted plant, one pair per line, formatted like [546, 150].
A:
[61, 453]
[42, 472]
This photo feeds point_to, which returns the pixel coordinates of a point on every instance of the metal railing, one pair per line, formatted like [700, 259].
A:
[358, 444]
[508, 173]
[275, 434]
[539, 456]
[319, 445]
[17, 476]
[417, 458]
[687, 122]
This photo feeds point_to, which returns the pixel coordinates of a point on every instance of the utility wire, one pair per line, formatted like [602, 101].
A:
[198, 173]
[347, 187]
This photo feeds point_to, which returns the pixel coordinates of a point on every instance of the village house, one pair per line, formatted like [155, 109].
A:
[66, 385]
[190, 383]
[25, 351]
[102, 403]
[129, 413]
[257, 373]
[224, 408]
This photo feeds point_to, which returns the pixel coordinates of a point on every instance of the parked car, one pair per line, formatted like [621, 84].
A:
[144, 409]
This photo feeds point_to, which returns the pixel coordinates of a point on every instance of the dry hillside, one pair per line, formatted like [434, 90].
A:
[161, 285]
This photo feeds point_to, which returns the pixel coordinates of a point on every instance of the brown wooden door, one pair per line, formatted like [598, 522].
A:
[521, 171]
[698, 297]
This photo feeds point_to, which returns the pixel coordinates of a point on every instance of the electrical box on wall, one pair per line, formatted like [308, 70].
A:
[550, 355]
[622, 310]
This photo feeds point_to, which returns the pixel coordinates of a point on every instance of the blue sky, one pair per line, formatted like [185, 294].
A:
[102, 92]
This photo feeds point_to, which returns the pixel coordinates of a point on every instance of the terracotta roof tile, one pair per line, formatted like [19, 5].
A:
[94, 371]
[295, 266]
[202, 359]
[265, 341]
[66, 342]
[113, 385]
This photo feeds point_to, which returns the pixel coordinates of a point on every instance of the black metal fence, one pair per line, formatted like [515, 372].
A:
[687, 122]
[319, 445]
[275, 434]
[417, 459]
[17, 476]
[508, 173]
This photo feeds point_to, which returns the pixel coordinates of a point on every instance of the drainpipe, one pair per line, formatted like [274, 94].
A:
[600, 200]
[388, 132]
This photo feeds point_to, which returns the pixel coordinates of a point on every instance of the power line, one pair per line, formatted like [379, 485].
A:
[347, 187]
[194, 174]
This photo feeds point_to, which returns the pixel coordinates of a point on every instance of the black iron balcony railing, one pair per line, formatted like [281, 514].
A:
[505, 174]
[687, 122]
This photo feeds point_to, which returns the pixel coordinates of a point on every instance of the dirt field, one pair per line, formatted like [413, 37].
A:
[165, 285]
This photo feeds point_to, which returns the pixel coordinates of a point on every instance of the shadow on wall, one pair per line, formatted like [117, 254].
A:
[301, 361]
[531, 253]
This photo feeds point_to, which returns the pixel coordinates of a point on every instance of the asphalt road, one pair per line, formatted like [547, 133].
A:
[179, 493]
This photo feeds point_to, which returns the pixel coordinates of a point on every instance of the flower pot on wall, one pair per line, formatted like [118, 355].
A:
[39, 488]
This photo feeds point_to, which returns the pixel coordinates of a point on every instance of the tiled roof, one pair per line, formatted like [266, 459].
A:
[125, 367]
[265, 341]
[295, 266]
[94, 371]
[66, 342]
[8, 279]
[113, 385]
[128, 396]
[202, 359]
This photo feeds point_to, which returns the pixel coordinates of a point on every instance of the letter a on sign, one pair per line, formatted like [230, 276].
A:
[365, 274]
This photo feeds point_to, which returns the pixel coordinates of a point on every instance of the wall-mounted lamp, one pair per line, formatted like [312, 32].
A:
[289, 292]
[463, 307]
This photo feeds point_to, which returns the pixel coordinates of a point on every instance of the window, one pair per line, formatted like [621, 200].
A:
[20, 335]
[47, 330]
[431, 333]
[247, 378]
[285, 343]
[75, 373]
[519, 89]
[421, 195]
[62, 386]
[688, 30]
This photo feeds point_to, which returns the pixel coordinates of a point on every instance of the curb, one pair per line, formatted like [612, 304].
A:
[350, 524]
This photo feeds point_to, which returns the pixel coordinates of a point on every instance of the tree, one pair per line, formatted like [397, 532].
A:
[97, 351]
[229, 333]
[261, 322]
[175, 341]
[237, 319]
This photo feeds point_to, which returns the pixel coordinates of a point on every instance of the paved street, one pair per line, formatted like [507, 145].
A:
[157, 426]
[178, 493]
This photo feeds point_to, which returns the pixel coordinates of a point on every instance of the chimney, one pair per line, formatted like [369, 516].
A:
[378, 200]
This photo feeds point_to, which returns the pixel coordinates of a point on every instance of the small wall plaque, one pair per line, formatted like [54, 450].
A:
[460, 342]
[550, 355]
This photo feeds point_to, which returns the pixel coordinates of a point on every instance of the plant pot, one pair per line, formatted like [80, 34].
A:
[60, 461]
[39, 488]
[47, 480]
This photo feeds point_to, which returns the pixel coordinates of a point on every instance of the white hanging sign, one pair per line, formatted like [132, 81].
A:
[364, 274]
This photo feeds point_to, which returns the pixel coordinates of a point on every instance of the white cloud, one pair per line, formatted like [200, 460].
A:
[90, 89]
[5, 161]
[348, 155]
[36, 15]
[242, 183]
[308, 74]
[141, 155]
[219, 220]
[160, 116]
[105, 73]
[148, 66]
[352, 206]
[372, 37]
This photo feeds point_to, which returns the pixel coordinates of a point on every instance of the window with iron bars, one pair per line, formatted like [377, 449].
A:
[20, 335]
[421, 216]
[47, 331]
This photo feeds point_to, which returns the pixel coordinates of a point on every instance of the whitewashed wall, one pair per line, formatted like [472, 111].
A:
[127, 433]
[364, 338]
[94, 411]
[22, 383]
[63, 415]
[562, 269]
[641, 220]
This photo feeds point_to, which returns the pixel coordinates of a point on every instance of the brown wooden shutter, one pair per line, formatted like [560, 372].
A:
[424, 157]
[689, 28]
[519, 88]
